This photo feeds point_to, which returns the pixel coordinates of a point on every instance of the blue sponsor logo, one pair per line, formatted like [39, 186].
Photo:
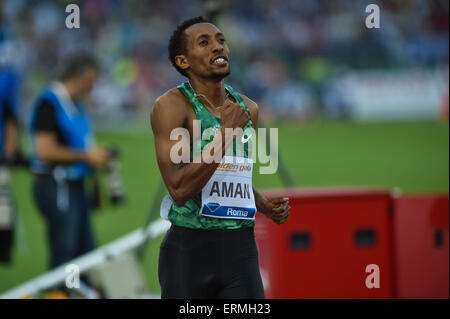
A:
[213, 206]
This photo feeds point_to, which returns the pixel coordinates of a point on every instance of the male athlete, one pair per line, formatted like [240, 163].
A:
[210, 249]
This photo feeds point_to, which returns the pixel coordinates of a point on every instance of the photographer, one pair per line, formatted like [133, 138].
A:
[64, 155]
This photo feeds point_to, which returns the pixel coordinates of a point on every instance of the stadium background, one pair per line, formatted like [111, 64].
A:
[302, 61]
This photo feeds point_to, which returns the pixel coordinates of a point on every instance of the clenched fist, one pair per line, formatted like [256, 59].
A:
[233, 115]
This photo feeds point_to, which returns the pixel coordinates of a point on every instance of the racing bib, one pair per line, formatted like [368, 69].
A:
[229, 192]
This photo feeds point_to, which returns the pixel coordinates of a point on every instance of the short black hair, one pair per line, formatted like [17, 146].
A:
[177, 43]
[75, 64]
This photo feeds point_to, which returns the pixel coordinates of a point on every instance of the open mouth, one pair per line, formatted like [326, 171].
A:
[220, 60]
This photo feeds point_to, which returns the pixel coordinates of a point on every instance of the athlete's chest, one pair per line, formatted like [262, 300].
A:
[197, 123]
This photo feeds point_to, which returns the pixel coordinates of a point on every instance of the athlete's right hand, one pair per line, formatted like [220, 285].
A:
[233, 115]
[98, 157]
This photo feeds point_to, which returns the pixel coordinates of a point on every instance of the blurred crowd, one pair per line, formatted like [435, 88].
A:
[284, 54]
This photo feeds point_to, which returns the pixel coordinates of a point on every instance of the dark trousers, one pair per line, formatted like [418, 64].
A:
[199, 264]
[69, 231]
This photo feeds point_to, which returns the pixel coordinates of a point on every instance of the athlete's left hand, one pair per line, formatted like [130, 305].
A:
[277, 209]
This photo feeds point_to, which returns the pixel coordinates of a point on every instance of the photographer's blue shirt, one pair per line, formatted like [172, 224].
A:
[73, 130]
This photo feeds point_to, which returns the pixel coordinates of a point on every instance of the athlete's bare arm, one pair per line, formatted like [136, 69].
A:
[276, 209]
[185, 180]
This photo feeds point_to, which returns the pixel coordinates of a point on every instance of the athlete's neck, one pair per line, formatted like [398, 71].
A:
[213, 90]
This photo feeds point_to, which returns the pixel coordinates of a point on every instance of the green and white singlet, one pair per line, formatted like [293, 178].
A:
[192, 213]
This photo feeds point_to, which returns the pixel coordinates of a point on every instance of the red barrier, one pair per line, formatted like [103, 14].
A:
[325, 247]
[422, 246]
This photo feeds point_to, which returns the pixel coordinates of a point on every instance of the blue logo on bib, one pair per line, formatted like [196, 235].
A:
[213, 207]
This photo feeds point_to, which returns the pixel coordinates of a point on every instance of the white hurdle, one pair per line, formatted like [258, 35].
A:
[94, 258]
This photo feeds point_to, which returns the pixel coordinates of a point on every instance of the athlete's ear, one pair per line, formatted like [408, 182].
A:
[182, 62]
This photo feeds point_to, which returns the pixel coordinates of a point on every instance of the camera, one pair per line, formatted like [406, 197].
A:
[114, 178]
[7, 215]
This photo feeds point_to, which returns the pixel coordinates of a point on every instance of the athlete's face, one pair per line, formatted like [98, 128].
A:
[207, 52]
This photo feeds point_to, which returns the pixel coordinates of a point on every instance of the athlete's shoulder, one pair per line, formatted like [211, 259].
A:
[170, 97]
[250, 103]
[171, 101]
[253, 109]
[168, 109]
